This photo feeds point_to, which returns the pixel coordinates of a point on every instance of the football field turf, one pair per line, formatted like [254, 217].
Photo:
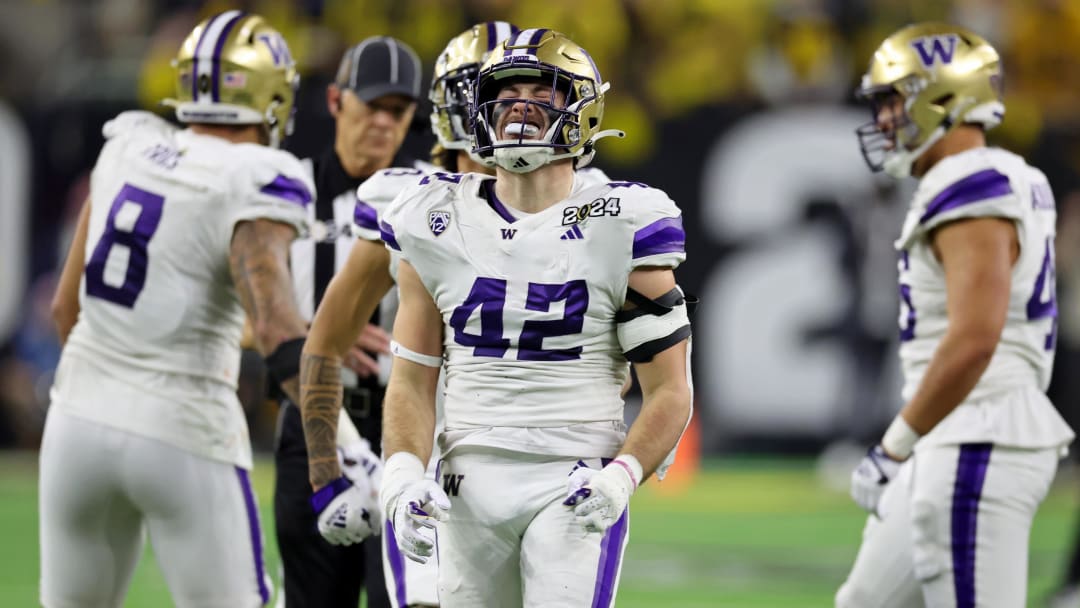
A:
[746, 533]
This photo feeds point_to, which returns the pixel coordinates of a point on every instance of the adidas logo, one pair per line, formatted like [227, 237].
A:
[520, 163]
[573, 234]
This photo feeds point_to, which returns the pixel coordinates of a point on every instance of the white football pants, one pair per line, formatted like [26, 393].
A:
[509, 540]
[102, 489]
[954, 530]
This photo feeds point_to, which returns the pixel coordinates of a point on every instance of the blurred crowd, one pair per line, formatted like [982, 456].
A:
[71, 64]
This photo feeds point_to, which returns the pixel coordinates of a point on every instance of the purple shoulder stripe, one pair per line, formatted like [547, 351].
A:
[665, 235]
[981, 185]
[386, 231]
[365, 216]
[292, 190]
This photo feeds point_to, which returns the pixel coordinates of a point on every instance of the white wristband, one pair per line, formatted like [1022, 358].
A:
[632, 467]
[398, 350]
[399, 470]
[899, 439]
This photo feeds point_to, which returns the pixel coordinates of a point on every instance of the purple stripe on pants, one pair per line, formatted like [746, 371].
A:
[607, 571]
[256, 535]
[397, 564]
[970, 475]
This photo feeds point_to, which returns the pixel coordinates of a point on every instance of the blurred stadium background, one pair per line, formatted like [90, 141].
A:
[739, 109]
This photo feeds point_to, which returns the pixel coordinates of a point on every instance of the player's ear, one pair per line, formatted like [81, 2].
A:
[333, 99]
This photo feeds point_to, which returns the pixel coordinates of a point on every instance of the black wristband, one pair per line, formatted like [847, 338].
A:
[284, 362]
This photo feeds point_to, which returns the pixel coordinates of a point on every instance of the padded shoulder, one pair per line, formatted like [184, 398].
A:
[136, 121]
[983, 182]
[267, 183]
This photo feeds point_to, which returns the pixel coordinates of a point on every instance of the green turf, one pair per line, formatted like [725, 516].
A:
[745, 534]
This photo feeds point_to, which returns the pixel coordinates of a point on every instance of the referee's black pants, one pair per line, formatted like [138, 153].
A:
[317, 574]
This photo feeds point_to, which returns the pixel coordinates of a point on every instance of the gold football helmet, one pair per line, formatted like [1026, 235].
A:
[572, 129]
[235, 69]
[942, 76]
[455, 71]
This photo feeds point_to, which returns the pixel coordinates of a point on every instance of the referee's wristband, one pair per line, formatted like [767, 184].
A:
[899, 439]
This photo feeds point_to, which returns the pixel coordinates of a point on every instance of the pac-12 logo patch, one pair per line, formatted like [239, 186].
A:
[438, 221]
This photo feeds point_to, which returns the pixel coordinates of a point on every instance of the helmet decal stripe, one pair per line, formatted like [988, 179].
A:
[499, 31]
[195, 64]
[215, 59]
[535, 40]
[204, 51]
[525, 43]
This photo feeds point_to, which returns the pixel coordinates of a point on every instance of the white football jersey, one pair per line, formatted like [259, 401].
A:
[532, 358]
[985, 182]
[156, 348]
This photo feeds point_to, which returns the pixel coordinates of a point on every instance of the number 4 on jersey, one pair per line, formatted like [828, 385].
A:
[1043, 301]
[489, 295]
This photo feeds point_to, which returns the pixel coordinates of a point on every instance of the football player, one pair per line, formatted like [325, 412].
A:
[956, 479]
[366, 277]
[184, 232]
[533, 291]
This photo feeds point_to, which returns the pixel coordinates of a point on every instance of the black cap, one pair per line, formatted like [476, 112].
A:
[379, 66]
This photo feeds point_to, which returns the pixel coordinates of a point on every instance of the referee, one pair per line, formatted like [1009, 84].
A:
[372, 102]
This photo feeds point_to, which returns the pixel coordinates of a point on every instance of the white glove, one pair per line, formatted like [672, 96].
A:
[413, 504]
[358, 462]
[346, 511]
[578, 478]
[869, 479]
[600, 497]
[420, 504]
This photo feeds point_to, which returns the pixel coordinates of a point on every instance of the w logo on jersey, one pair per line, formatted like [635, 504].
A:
[930, 48]
[438, 221]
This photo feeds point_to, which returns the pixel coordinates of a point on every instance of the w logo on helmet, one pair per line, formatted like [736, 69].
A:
[942, 45]
[279, 50]
[438, 221]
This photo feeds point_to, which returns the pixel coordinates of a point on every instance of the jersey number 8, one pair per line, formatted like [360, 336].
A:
[134, 236]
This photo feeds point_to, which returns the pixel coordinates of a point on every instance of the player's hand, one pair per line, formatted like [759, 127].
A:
[360, 464]
[599, 497]
[578, 478]
[420, 504]
[346, 511]
[373, 339]
[869, 479]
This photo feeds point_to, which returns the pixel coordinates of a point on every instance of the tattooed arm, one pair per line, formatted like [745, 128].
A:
[259, 262]
[349, 301]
